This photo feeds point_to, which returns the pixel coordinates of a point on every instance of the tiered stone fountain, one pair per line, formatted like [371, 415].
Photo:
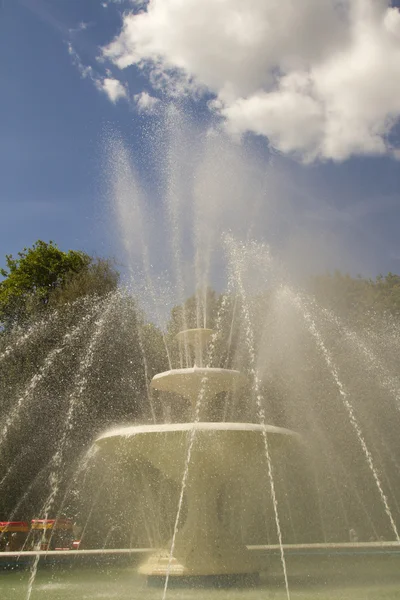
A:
[221, 452]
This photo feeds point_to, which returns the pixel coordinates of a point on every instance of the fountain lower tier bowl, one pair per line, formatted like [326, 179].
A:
[220, 454]
[221, 448]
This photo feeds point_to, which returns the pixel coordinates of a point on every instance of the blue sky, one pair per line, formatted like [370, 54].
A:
[53, 124]
[52, 121]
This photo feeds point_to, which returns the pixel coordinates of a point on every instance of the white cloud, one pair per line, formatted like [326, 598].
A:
[145, 103]
[84, 70]
[113, 88]
[319, 79]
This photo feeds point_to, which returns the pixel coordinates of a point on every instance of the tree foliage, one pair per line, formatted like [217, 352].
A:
[357, 295]
[44, 275]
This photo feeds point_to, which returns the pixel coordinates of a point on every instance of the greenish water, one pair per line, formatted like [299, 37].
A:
[330, 579]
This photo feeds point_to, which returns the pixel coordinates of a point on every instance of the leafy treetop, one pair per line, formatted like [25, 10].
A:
[31, 278]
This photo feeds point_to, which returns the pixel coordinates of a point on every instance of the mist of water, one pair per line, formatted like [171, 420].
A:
[236, 255]
[345, 398]
[20, 335]
[78, 387]
[69, 338]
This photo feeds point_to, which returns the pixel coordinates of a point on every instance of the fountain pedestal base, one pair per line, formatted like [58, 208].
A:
[203, 547]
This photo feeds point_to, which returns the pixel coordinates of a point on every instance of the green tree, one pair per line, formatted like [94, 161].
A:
[357, 297]
[44, 275]
[98, 278]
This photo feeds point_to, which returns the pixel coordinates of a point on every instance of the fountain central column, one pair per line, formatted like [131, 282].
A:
[203, 546]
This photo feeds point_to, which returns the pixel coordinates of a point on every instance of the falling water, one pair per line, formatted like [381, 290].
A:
[10, 469]
[83, 467]
[375, 365]
[128, 204]
[23, 336]
[26, 494]
[237, 274]
[297, 302]
[95, 500]
[174, 209]
[127, 200]
[75, 396]
[68, 339]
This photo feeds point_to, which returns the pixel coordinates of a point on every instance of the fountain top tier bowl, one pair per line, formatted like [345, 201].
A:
[198, 339]
[196, 381]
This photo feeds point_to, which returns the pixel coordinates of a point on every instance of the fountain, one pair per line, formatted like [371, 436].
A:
[219, 452]
[330, 377]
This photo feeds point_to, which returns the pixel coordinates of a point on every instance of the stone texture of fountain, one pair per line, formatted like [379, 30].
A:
[220, 453]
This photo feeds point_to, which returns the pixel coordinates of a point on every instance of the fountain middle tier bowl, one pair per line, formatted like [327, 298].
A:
[191, 381]
[223, 448]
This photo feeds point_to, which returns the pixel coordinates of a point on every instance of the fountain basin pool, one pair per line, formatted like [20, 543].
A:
[325, 577]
